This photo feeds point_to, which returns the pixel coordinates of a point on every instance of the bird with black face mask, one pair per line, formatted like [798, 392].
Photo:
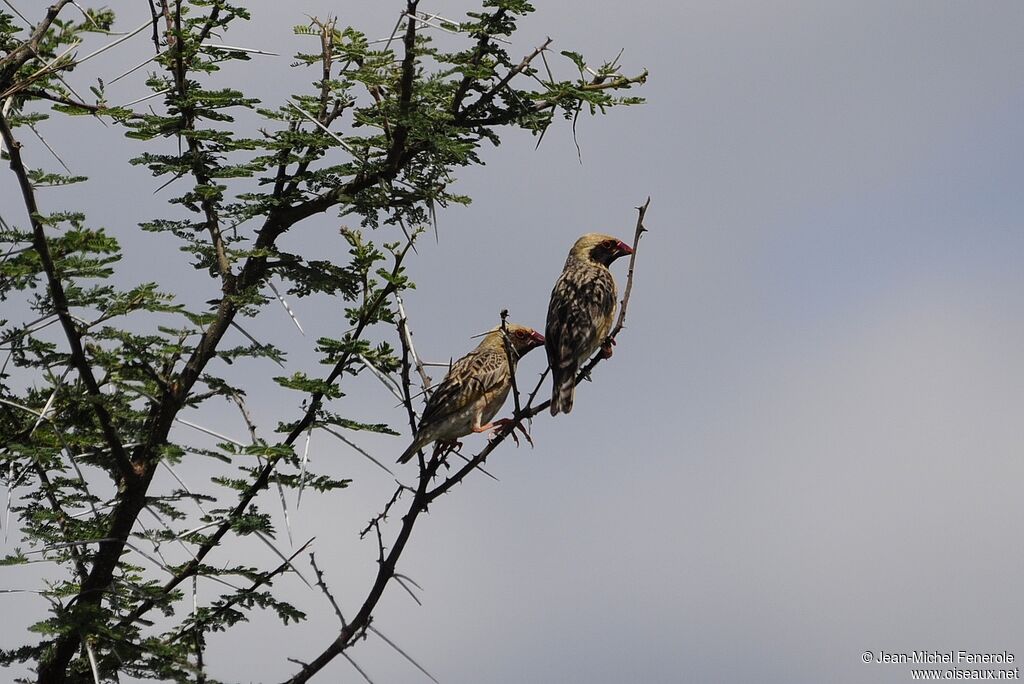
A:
[580, 313]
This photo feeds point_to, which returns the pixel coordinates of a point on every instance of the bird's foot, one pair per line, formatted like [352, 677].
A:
[496, 427]
[505, 422]
[606, 348]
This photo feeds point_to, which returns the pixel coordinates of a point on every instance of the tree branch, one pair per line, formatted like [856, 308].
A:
[640, 230]
[510, 359]
[385, 571]
[323, 587]
[406, 379]
[60, 302]
[264, 578]
[483, 46]
[195, 148]
[401, 133]
[487, 97]
[263, 478]
[11, 63]
[60, 99]
[539, 106]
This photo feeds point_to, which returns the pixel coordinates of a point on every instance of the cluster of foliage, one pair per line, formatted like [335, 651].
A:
[95, 373]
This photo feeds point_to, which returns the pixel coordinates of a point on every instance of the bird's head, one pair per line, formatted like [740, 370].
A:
[600, 248]
[522, 339]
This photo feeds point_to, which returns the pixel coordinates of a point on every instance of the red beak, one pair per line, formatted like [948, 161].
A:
[537, 337]
[624, 248]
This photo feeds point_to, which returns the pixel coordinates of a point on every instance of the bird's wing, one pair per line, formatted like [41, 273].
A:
[479, 372]
[579, 315]
[579, 318]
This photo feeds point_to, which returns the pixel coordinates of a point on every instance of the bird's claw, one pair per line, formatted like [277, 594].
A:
[505, 422]
[502, 424]
[606, 348]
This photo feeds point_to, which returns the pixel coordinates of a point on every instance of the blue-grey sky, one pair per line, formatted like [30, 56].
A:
[809, 441]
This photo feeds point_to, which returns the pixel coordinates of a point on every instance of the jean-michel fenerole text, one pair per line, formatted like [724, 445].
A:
[961, 657]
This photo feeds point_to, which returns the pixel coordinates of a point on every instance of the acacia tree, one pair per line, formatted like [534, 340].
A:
[97, 372]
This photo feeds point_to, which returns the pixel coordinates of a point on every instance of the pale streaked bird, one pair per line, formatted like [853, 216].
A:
[580, 313]
[474, 390]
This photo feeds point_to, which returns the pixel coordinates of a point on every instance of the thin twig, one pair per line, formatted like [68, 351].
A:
[510, 359]
[49, 148]
[234, 48]
[386, 380]
[325, 129]
[407, 335]
[458, 452]
[130, 71]
[92, 661]
[357, 448]
[488, 96]
[305, 461]
[540, 383]
[640, 230]
[20, 15]
[184, 486]
[405, 655]
[383, 515]
[423, 17]
[407, 396]
[209, 432]
[157, 93]
[287, 559]
[323, 587]
[256, 584]
[249, 423]
[358, 669]
[398, 578]
[62, 60]
[264, 347]
[120, 40]
[284, 506]
[287, 308]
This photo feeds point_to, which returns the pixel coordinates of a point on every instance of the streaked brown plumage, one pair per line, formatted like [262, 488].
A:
[580, 313]
[474, 389]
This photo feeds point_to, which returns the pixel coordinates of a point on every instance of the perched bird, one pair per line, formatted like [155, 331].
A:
[474, 389]
[580, 313]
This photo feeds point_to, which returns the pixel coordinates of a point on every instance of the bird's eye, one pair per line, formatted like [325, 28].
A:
[610, 244]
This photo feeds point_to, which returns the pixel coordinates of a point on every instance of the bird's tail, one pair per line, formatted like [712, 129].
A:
[411, 451]
[563, 390]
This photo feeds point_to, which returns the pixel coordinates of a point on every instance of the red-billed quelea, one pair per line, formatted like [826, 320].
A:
[580, 313]
[474, 389]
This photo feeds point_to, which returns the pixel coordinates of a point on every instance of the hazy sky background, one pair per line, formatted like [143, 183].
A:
[808, 443]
